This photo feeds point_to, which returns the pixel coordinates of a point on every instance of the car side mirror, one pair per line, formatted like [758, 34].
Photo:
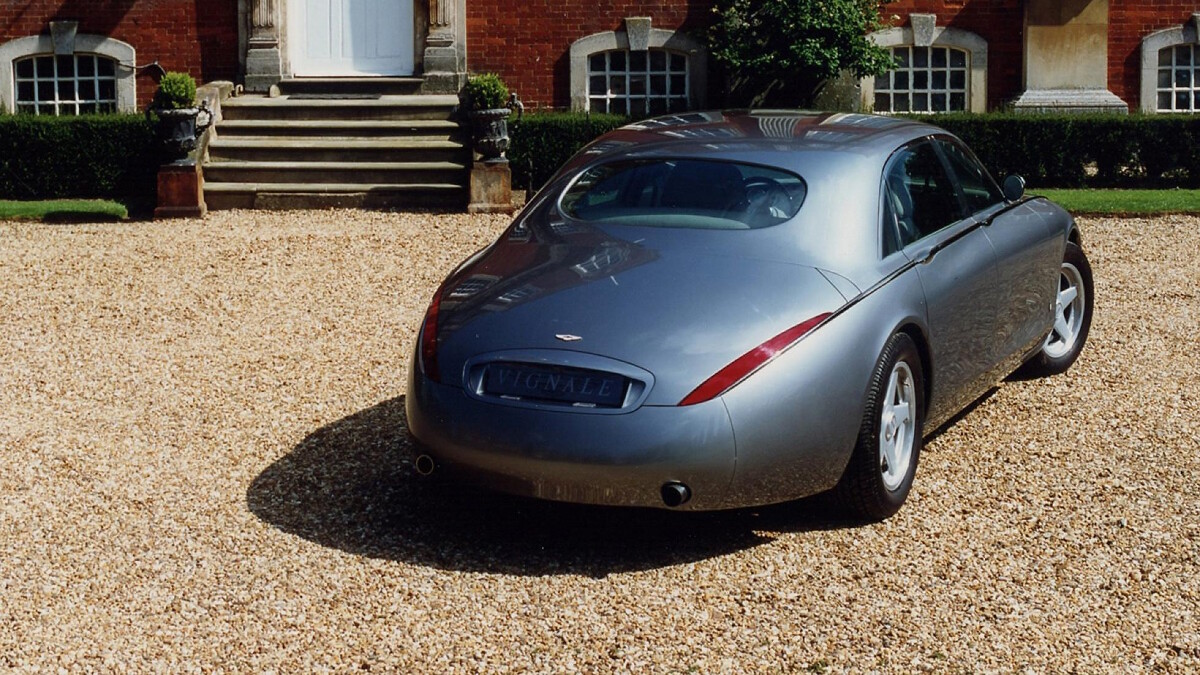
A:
[1014, 187]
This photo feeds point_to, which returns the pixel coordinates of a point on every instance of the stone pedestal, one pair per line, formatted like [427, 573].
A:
[264, 57]
[1066, 58]
[491, 188]
[180, 190]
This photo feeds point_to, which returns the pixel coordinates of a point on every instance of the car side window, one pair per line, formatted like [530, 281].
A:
[920, 199]
[979, 191]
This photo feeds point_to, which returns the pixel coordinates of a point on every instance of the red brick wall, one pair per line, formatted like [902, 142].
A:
[195, 36]
[1129, 21]
[1000, 22]
[528, 43]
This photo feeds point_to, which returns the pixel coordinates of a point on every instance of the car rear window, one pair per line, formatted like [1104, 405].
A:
[689, 193]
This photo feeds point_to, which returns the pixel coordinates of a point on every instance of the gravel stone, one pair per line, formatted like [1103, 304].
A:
[202, 468]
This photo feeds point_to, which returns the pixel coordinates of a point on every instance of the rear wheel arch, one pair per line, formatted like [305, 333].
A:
[918, 336]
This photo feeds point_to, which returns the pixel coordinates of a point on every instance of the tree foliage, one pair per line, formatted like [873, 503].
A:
[780, 52]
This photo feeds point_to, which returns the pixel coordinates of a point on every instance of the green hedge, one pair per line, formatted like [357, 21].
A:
[87, 157]
[542, 142]
[1050, 151]
[1069, 151]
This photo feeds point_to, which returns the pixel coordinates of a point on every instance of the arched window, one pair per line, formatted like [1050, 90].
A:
[653, 72]
[651, 82]
[1170, 69]
[79, 84]
[926, 79]
[97, 77]
[939, 70]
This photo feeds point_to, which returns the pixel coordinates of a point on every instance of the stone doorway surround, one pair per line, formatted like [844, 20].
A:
[440, 42]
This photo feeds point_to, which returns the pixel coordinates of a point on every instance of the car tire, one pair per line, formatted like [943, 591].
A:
[880, 473]
[1072, 317]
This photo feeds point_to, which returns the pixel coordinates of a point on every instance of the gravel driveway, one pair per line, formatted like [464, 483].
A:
[199, 425]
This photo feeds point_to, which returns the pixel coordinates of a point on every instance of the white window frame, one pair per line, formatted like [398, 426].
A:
[42, 45]
[648, 72]
[977, 60]
[1152, 44]
[56, 78]
[669, 40]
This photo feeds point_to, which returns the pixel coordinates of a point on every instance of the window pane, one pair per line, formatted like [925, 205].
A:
[66, 66]
[596, 62]
[87, 66]
[678, 62]
[958, 79]
[1183, 78]
[901, 56]
[658, 85]
[637, 85]
[27, 109]
[939, 102]
[958, 101]
[1181, 100]
[883, 82]
[107, 107]
[637, 62]
[901, 80]
[658, 60]
[66, 90]
[1164, 100]
[87, 90]
[678, 85]
[598, 105]
[1183, 55]
[105, 66]
[45, 66]
[108, 90]
[616, 60]
[920, 57]
[677, 104]
[658, 106]
[920, 102]
[616, 85]
[920, 80]
[939, 79]
[45, 90]
[900, 103]
[1164, 57]
[25, 68]
[618, 106]
[958, 58]
[883, 103]
[939, 58]
[87, 109]
[25, 91]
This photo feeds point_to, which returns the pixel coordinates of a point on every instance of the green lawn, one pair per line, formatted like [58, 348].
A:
[63, 210]
[1125, 202]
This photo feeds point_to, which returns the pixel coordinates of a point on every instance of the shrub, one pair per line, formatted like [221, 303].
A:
[542, 142]
[1084, 150]
[88, 157]
[484, 92]
[175, 90]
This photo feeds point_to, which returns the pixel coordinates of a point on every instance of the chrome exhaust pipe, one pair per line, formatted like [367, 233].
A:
[424, 465]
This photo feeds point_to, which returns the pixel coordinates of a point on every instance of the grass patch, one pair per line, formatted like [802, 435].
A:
[63, 210]
[1125, 202]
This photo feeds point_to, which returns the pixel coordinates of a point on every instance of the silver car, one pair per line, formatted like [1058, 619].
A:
[718, 310]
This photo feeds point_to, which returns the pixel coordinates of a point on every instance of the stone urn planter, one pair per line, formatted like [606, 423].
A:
[178, 128]
[489, 128]
[178, 120]
[485, 100]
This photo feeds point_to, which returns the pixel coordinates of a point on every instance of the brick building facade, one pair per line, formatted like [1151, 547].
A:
[620, 55]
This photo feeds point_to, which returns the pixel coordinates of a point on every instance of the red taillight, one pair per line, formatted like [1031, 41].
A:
[429, 333]
[749, 362]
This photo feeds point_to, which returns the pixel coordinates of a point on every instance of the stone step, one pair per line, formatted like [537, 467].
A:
[333, 195]
[424, 129]
[337, 150]
[456, 173]
[350, 85]
[419, 107]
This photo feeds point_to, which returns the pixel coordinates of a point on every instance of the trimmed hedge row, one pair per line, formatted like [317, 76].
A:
[1068, 151]
[542, 142]
[87, 157]
[1050, 151]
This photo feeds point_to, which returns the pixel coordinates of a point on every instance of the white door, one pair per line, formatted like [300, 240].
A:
[351, 37]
